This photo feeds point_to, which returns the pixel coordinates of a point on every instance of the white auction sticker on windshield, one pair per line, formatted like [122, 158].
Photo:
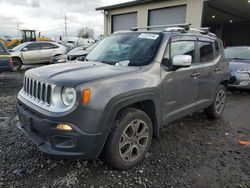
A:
[148, 36]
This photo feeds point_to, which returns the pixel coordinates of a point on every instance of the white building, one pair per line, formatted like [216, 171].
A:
[229, 19]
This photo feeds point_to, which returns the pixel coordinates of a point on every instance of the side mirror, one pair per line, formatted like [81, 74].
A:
[24, 49]
[182, 61]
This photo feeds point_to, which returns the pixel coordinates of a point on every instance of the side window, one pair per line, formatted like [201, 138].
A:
[34, 46]
[2, 50]
[46, 46]
[183, 48]
[206, 51]
[217, 49]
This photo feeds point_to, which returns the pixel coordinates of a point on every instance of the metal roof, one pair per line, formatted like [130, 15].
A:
[127, 4]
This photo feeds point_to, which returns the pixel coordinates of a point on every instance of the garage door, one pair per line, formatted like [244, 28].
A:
[124, 21]
[164, 16]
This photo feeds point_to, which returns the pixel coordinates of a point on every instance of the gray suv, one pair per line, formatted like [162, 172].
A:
[131, 85]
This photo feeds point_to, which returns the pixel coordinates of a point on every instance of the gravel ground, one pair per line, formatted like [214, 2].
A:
[191, 152]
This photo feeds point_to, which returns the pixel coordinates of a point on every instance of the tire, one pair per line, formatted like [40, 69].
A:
[128, 144]
[217, 107]
[16, 64]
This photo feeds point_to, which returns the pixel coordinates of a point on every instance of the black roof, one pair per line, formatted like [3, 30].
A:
[127, 4]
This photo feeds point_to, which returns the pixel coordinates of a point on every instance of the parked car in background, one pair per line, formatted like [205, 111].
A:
[36, 53]
[239, 64]
[131, 84]
[5, 59]
[78, 53]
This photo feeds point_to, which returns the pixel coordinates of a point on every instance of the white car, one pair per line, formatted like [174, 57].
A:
[35, 53]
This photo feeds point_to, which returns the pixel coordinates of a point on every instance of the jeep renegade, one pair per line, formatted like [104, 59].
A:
[131, 84]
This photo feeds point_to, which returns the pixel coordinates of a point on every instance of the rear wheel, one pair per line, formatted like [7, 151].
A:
[129, 140]
[16, 64]
[216, 109]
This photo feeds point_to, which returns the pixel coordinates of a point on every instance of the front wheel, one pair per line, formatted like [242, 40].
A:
[216, 109]
[130, 139]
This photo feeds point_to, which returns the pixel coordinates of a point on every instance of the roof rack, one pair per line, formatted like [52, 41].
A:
[182, 25]
[203, 30]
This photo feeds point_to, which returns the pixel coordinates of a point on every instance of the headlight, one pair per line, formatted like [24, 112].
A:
[68, 96]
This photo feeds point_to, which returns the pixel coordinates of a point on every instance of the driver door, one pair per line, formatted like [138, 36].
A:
[32, 53]
[180, 85]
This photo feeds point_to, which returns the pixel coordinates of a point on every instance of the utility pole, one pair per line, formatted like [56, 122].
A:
[65, 23]
[18, 29]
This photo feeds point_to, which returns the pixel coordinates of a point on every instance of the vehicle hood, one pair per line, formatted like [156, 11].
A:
[15, 53]
[74, 73]
[236, 65]
[77, 53]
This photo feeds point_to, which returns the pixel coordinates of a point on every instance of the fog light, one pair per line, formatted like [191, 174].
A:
[64, 127]
[244, 83]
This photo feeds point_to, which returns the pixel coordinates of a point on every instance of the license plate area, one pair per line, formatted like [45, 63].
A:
[25, 122]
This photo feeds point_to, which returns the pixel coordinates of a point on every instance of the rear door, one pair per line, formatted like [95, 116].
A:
[32, 54]
[209, 69]
[180, 87]
[48, 51]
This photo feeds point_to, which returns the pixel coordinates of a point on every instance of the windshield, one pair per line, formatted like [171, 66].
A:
[238, 53]
[77, 49]
[91, 47]
[128, 49]
[19, 47]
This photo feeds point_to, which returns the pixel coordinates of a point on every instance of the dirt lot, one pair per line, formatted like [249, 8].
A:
[191, 152]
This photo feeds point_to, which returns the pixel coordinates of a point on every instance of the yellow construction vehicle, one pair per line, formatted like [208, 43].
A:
[26, 36]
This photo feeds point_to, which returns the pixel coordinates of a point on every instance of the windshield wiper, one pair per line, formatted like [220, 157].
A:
[236, 58]
[109, 62]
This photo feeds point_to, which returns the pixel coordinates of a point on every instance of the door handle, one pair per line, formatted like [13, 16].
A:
[217, 69]
[195, 75]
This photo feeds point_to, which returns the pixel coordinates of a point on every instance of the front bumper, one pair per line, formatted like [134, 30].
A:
[48, 139]
[239, 81]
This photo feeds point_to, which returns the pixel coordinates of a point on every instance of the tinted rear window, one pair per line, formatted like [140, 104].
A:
[217, 49]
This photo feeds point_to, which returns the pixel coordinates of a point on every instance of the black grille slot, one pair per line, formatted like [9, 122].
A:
[49, 94]
[37, 90]
[43, 92]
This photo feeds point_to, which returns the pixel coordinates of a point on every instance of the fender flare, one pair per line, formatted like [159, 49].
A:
[120, 102]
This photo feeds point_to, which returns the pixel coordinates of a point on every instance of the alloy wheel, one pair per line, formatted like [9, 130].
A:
[220, 101]
[133, 141]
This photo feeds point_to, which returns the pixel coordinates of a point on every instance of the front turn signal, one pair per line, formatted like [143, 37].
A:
[86, 94]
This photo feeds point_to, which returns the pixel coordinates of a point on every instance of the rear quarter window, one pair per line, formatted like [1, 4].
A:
[217, 48]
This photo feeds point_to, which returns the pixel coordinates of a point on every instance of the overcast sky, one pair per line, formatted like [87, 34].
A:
[47, 16]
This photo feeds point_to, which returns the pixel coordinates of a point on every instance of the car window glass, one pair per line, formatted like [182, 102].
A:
[34, 46]
[138, 49]
[206, 51]
[2, 50]
[183, 48]
[45, 46]
[217, 49]
[238, 53]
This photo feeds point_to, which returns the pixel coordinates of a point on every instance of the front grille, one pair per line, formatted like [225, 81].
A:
[37, 90]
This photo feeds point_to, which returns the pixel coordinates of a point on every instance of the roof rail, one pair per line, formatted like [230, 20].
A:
[122, 31]
[182, 25]
[203, 30]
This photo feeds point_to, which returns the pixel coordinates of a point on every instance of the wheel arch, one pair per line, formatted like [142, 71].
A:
[148, 102]
[17, 57]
